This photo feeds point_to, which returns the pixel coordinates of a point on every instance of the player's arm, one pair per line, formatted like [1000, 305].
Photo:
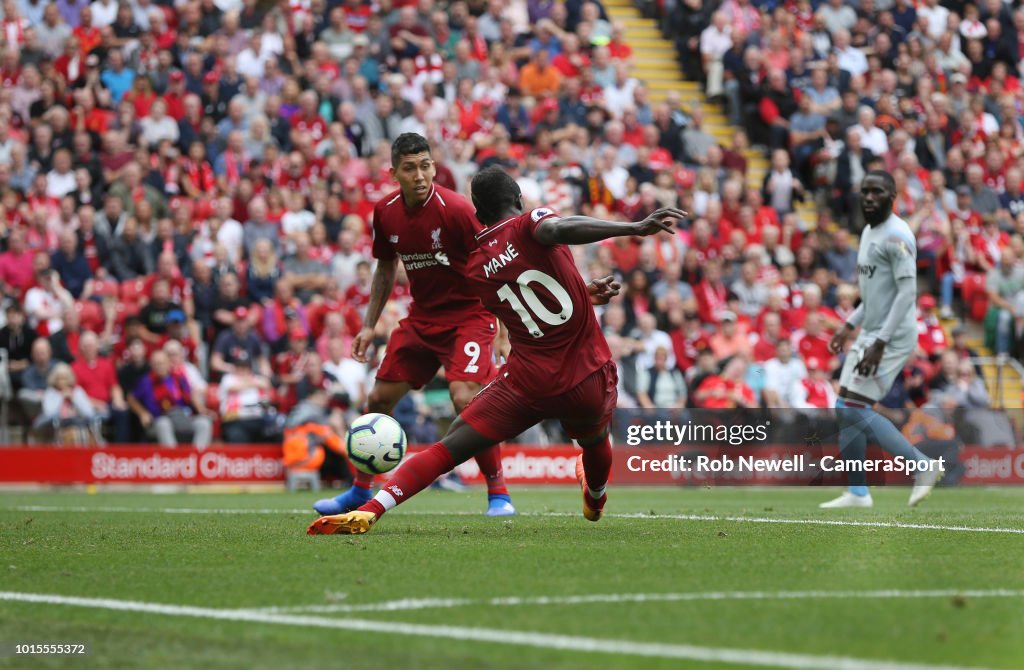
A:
[380, 290]
[584, 229]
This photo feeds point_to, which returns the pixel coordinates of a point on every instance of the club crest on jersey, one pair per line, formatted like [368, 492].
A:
[435, 239]
[540, 213]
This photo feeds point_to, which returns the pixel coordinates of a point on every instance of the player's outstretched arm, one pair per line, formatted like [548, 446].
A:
[584, 230]
[380, 291]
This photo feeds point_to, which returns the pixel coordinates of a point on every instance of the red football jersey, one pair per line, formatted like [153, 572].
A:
[434, 242]
[539, 295]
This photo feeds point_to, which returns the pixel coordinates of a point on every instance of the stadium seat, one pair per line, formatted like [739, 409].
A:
[133, 290]
[90, 315]
[106, 288]
[975, 295]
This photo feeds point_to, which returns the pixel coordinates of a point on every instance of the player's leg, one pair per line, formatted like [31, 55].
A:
[587, 417]
[859, 422]
[593, 468]
[381, 400]
[469, 365]
[415, 474]
[853, 447]
[496, 414]
[499, 502]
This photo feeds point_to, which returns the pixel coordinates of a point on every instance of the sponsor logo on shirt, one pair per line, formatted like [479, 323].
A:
[868, 270]
[393, 239]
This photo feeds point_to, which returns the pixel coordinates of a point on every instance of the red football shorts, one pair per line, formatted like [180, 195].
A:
[500, 412]
[418, 348]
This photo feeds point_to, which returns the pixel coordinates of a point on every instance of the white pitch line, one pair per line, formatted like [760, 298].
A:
[407, 604]
[537, 640]
[653, 517]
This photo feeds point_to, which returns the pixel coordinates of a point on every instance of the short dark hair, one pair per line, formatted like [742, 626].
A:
[407, 144]
[494, 193]
[887, 178]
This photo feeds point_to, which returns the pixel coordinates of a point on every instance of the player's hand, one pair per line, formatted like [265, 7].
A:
[361, 343]
[502, 345]
[603, 289]
[659, 221]
[869, 362]
[838, 341]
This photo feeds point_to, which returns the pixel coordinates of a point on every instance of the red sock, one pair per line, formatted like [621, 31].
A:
[597, 463]
[363, 480]
[490, 467]
[416, 474]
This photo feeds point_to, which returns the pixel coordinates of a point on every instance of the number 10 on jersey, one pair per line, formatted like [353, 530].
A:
[536, 307]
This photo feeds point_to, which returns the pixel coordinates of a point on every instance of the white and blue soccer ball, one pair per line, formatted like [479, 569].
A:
[375, 443]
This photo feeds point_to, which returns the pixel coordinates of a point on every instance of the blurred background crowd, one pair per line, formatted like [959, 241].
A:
[186, 193]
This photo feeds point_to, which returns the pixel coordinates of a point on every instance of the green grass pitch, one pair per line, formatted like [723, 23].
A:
[710, 588]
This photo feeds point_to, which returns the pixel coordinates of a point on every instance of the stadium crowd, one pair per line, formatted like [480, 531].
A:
[186, 192]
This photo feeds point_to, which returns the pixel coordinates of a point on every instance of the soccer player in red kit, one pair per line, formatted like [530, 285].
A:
[560, 366]
[431, 229]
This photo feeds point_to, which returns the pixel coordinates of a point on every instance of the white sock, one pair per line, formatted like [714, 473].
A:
[385, 499]
[596, 493]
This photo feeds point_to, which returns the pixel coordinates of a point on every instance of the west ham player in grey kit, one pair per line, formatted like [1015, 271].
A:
[887, 265]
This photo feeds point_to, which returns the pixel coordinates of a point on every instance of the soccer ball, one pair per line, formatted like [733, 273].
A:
[375, 443]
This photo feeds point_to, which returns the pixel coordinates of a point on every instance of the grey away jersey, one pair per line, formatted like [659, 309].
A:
[887, 253]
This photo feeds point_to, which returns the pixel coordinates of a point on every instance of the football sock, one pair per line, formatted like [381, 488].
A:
[363, 480]
[862, 422]
[416, 474]
[489, 461]
[853, 444]
[597, 465]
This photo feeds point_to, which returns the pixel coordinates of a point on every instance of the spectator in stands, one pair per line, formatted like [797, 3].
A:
[167, 408]
[16, 338]
[308, 275]
[71, 265]
[968, 389]
[1005, 285]
[34, 378]
[731, 338]
[129, 256]
[659, 386]
[783, 378]
[727, 390]
[98, 379]
[47, 303]
[64, 403]
[16, 269]
[239, 345]
[244, 406]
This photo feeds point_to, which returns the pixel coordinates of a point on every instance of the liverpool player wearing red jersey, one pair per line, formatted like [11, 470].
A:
[431, 229]
[560, 366]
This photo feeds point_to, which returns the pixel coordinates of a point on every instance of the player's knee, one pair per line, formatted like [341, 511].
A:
[461, 397]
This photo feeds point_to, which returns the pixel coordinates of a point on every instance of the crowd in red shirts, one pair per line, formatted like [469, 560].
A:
[195, 180]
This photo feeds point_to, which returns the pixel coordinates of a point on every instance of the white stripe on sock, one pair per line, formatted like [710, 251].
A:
[596, 493]
[385, 499]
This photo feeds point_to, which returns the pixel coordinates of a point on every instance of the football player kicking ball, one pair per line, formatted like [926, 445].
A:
[560, 366]
[887, 267]
[431, 229]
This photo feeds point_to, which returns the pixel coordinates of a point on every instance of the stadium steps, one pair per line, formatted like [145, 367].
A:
[1012, 395]
[655, 64]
